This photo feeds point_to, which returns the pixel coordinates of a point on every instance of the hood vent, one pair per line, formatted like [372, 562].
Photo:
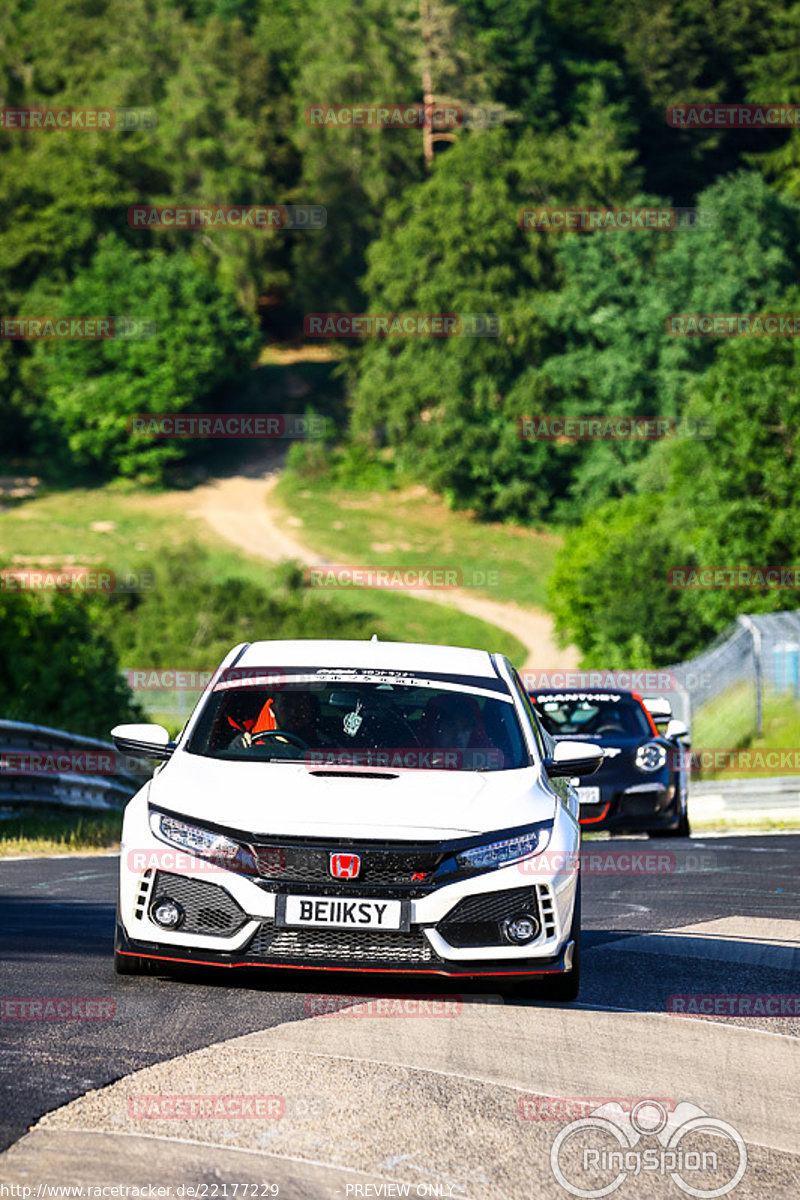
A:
[352, 775]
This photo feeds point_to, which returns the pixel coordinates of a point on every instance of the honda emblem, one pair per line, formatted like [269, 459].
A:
[345, 866]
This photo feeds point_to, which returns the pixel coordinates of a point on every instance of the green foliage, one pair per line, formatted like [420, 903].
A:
[57, 668]
[609, 592]
[191, 619]
[452, 245]
[611, 354]
[201, 343]
[726, 501]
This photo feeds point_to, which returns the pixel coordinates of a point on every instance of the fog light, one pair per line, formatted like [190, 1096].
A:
[521, 929]
[167, 913]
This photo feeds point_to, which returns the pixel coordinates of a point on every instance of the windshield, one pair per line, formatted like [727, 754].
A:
[602, 716]
[418, 724]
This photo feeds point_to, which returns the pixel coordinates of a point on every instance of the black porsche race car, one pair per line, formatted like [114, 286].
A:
[642, 784]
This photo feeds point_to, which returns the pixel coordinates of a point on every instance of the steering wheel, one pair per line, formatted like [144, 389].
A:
[284, 735]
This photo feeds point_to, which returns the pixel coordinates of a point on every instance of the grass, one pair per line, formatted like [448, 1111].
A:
[59, 833]
[127, 532]
[728, 723]
[411, 527]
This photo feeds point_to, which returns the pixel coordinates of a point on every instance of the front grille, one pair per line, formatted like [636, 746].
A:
[311, 864]
[207, 908]
[340, 945]
[477, 920]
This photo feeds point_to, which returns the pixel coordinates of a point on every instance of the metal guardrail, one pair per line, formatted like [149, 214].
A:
[106, 791]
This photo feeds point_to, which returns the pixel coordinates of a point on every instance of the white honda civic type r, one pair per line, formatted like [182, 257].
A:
[357, 806]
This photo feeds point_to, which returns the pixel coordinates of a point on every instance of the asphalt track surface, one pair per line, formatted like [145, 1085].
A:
[723, 920]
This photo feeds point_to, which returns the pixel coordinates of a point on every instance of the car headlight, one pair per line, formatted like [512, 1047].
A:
[650, 757]
[202, 842]
[509, 850]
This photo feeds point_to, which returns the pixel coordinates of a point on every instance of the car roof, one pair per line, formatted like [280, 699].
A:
[394, 656]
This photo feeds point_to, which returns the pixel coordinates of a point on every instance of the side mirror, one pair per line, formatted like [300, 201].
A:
[677, 729]
[573, 758]
[147, 741]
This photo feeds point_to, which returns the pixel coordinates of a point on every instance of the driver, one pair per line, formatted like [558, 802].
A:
[294, 713]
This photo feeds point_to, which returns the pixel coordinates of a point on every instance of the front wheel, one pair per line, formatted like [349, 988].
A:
[128, 964]
[681, 830]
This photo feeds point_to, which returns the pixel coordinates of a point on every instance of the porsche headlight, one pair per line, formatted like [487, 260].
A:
[202, 842]
[650, 757]
[509, 850]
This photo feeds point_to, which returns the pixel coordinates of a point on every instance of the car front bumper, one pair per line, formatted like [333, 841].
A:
[230, 918]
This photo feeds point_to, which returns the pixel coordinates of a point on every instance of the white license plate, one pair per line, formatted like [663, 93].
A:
[588, 795]
[340, 913]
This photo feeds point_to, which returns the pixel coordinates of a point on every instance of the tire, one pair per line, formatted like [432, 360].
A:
[682, 830]
[128, 964]
[562, 988]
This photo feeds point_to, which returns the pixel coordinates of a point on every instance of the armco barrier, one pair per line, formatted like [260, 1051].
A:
[99, 793]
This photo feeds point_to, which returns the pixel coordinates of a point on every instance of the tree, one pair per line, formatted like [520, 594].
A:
[201, 343]
[716, 503]
[609, 592]
[56, 668]
[449, 407]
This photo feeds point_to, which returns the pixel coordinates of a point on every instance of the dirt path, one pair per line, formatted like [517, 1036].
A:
[242, 510]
